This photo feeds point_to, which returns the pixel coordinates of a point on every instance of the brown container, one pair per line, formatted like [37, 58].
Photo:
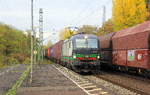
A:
[105, 41]
[137, 37]
[57, 50]
[106, 56]
[141, 59]
[120, 57]
[105, 44]
[138, 58]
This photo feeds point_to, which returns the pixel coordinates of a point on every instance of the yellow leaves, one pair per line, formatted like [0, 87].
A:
[65, 34]
[148, 8]
[106, 28]
[89, 29]
[127, 13]
[68, 32]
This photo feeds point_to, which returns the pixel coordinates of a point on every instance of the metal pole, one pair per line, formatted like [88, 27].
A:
[104, 17]
[104, 14]
[32, 29]
[41, 32]
[34, 45]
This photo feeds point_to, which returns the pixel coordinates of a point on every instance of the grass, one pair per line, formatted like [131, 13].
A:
[45, 61]
[3, 66]
[18, 83]
[7, 66]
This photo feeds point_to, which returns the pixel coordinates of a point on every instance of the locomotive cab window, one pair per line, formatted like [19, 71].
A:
[86, 43]
[80, 43]
[92, 43]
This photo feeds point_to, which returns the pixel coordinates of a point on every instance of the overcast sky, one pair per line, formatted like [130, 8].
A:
[57, 14]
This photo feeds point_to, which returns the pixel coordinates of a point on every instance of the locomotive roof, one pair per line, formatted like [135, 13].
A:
[82, 36]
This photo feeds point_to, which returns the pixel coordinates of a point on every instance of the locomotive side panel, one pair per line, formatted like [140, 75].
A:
[67, 49]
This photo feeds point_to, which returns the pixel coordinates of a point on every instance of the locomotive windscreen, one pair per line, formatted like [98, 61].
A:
[86, 43]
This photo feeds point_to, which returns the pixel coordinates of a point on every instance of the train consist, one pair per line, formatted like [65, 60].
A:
[127, 50]
[80, 53]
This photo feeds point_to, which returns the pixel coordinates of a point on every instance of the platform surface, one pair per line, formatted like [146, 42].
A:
[49, 81]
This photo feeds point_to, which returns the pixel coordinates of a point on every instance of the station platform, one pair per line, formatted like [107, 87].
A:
[49, 81]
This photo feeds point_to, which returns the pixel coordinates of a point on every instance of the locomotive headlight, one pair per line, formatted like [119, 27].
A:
[74, 56]
[98, 57]
[85, 37]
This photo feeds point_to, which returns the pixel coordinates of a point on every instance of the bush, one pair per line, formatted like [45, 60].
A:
[2, 61]
[27, 61]
[20, 57]
[11, 60]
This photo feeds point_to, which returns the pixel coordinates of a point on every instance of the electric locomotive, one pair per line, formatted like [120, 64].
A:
[81, 53]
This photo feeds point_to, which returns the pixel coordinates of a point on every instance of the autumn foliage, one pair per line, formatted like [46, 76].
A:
[14, 45]
[106, 28]
[65, 33]
[127, 13]
[89, 29]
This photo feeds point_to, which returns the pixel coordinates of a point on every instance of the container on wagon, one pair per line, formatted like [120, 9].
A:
[57, 50]
[105, 43]
[131, 47]
[136, 37]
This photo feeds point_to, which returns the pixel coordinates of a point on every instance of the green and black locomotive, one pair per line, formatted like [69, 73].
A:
[81, 53]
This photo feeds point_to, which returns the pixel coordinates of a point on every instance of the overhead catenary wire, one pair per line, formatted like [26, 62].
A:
[81, 12]
[81, 18]
[85, 18]
[102, 10]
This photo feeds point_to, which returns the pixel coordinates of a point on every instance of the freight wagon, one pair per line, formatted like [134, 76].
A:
[46, 53]
[55, 52]
[128, 49]
[131, 48]
[106, 48]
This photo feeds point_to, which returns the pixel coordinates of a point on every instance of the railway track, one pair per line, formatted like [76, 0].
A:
[93, 85]
[132, 83]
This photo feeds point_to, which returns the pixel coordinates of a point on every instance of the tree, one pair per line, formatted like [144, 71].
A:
[14, 45]
[89, 29]
[106, 28]
[148, 8]
[66, 33]
[127, 13]
[49, 44]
